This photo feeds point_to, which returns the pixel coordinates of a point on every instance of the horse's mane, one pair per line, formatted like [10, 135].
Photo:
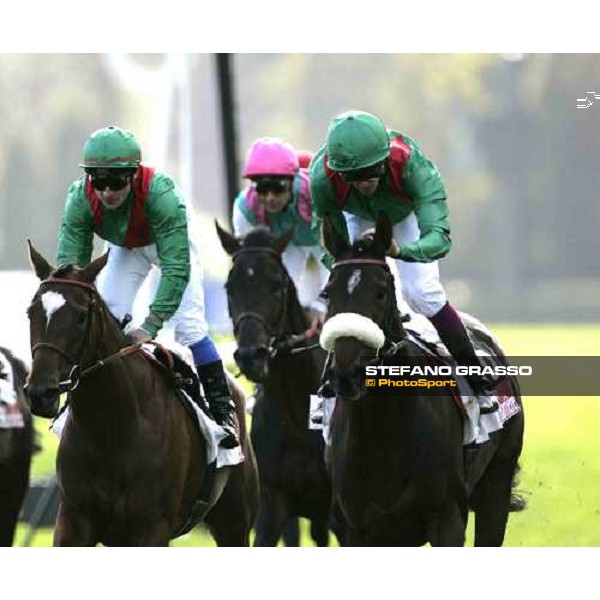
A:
[72, 271]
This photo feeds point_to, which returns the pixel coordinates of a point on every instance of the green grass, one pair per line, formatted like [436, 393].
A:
[561, 457]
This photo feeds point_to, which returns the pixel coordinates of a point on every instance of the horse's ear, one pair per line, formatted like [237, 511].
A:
[41, 266]
[91, 271]
[229, 242]
[335, 244]
[281, 243]
[383, 232]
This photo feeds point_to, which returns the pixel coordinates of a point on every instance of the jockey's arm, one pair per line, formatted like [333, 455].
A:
[243, 220]
[434, 242]
[425, 186]
[76, 237]
[166, 212]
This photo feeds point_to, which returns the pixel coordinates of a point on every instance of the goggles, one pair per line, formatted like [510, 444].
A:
[374, 172]
[264, 185]
[113, 180]
[115, 184]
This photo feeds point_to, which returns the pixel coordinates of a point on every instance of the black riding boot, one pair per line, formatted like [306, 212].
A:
[454, 335]
[216, 389]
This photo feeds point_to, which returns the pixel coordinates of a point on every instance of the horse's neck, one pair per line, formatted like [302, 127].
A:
[396, 331]
[388, 419]
[296, 318]
[106, 398]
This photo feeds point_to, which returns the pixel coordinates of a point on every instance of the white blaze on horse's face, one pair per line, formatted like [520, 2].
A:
[250, 272]
[353, 281]
[52, 301]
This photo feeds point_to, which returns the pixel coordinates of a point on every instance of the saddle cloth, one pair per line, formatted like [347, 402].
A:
[477, 427]
[11, 416]
[208, 429]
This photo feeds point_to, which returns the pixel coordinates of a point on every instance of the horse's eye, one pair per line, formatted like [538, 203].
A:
[381, 294]
[324, 295]
[81, 317]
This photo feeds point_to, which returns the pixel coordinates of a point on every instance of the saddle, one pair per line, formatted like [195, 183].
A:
[180, 374]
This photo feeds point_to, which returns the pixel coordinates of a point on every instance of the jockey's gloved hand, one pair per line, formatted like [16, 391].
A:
[139, 336]
[393, 250]
[317, 317]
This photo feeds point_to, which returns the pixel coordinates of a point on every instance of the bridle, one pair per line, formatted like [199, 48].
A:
[76, 374]
[391, 347]
[278, 342]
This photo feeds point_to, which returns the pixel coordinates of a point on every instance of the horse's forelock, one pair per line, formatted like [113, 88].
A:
[65, 271]
[363, 248]
[260, 237]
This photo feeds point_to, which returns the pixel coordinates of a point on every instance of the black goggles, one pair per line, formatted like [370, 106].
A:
[277, 186]
[373, 172]
[113, 180]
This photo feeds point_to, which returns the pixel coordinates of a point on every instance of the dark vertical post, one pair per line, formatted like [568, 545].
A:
[228, 126]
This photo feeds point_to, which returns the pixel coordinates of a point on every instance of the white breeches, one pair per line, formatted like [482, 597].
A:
[125, 273]
[310, 278]
[419, 282]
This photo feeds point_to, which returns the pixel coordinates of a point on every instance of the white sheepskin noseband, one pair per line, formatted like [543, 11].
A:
[351, 325]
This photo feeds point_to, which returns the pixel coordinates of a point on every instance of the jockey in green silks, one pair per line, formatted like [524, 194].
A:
[364, 169]
[145, 220]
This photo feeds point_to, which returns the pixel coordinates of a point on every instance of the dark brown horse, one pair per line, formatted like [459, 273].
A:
[270, 328]
[15, 451]
[400, 474]
[131, 464]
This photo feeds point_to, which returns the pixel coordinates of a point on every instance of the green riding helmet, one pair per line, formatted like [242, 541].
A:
[356, 140]
[111, 148]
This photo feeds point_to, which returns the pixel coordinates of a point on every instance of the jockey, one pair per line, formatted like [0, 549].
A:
[364, 169]
[279, 198]
[142, 215]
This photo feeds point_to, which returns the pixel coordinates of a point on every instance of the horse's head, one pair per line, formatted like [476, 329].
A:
[61, 317]
[259, 290]
[362, 314]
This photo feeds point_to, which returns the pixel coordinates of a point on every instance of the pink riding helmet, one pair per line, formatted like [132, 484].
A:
[271, 156]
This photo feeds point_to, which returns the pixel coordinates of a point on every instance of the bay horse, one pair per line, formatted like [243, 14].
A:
[399, 471]
[131, 463]
[273, 336]
[16, 445]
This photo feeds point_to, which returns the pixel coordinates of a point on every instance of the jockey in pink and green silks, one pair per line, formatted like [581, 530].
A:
[278, 198]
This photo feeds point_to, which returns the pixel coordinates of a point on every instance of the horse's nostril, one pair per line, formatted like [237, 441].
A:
[44, 400]
[251, 354]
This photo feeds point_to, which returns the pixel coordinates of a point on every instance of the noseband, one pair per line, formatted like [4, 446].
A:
[390, 347]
